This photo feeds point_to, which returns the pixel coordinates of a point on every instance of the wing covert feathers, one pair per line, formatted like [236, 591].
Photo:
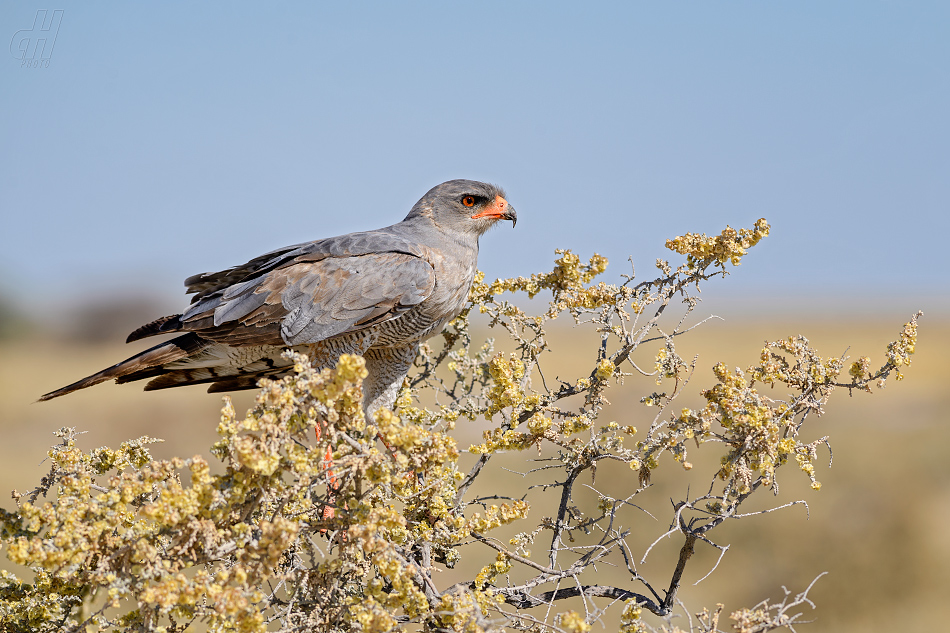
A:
[307, 302]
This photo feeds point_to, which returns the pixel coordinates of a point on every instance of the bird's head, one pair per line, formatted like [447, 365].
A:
[465, 206]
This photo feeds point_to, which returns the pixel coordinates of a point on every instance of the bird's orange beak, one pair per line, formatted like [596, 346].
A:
[500, 210]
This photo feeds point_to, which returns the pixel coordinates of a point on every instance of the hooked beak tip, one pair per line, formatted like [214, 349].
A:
[511, 215]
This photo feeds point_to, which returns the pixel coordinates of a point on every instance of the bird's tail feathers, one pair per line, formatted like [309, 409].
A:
[231, 380]
[224, 376]
[143, 365]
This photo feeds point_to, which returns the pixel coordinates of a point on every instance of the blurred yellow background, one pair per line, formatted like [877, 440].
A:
[877, 525]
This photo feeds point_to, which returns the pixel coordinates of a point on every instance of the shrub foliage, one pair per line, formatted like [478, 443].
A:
[319, 519]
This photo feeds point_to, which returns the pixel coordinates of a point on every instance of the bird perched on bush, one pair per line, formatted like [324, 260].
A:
[375, 293]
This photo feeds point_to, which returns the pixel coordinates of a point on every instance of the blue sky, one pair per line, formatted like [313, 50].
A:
[168, 139]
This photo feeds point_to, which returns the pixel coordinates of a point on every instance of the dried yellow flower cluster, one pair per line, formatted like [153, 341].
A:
[574, 622]
[730, 245]
[762, 432]
[567, 283]
[630, 618]
[131, 544]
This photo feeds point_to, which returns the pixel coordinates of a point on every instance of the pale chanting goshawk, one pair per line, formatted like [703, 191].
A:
[375, 293]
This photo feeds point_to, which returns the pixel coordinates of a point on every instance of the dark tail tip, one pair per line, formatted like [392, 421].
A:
[95, 379]
[143, 365]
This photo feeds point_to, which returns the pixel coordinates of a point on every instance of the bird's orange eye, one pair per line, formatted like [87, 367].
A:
[468, 201]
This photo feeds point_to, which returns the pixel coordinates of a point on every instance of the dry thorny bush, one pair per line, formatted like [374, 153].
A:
[322, 520]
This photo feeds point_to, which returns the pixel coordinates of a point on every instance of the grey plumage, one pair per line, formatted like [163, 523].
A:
[376, 293]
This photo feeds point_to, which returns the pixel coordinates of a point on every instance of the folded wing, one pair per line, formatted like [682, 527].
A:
[307, 302]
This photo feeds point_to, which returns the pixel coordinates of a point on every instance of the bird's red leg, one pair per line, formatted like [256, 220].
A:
[388, 447]
[332, 482]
